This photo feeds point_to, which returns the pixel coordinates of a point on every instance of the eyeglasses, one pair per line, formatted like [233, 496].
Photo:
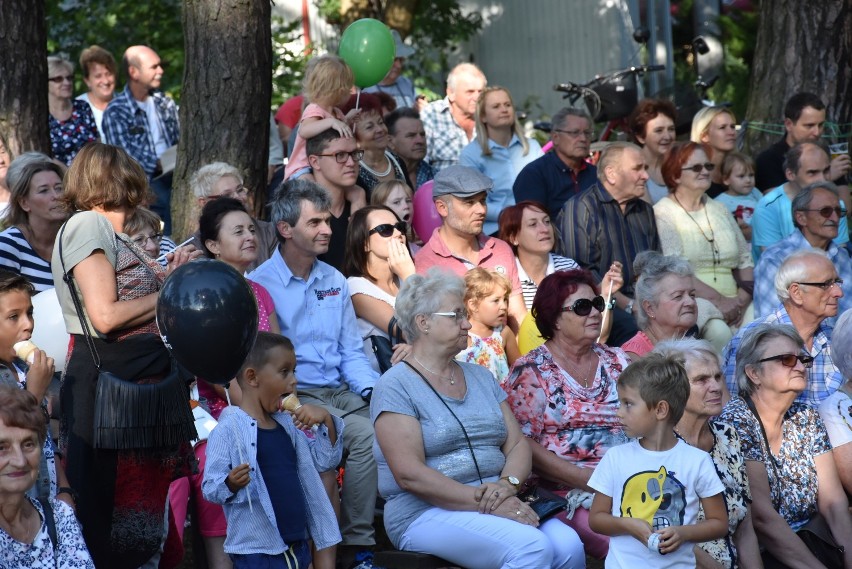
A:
[825, 285]
[789, 360]
[342, 157]
[583, 306]
[828, 210]
[709, 166]
[386, 229]
[588, 133]
[459, 315]
[141, 240]
[239, 191]
[61, 78]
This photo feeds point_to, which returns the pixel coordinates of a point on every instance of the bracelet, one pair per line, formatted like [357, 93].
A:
[67, 490]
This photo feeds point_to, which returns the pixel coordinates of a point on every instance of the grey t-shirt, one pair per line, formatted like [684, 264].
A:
[401, 390]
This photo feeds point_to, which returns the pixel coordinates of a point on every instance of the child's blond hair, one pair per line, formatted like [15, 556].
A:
[734, 158]
[328, 81]
[382, 191]
[479, 283]
[140, 219]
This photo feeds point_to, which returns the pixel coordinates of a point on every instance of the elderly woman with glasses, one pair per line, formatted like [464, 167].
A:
[449, 452]
[71, 121]
[694, 226]
[564, 396]
[792, 476]
[221, 180]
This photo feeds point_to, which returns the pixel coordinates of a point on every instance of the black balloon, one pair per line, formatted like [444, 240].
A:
[207, 316]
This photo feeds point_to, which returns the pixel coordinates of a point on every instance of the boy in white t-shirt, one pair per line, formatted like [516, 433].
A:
[648, 490]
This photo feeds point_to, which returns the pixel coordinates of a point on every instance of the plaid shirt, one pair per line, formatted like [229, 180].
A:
[126, 125]
[445, 139]
[425, 172]
[823, 377]
[765, 297]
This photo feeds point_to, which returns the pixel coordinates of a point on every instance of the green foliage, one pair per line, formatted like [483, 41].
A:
[73, 25]
[288, 66]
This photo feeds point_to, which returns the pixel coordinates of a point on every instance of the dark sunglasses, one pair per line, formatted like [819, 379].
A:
[61, 78]
[698, 167]
[828, 210]
[386, 229]
[789, 360]
[583, 306]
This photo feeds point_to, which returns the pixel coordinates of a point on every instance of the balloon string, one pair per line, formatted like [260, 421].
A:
[239, 449]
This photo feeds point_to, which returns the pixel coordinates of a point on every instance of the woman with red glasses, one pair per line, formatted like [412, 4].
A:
[564, 397]
[694, 226]
[796, 491]
[71, 121]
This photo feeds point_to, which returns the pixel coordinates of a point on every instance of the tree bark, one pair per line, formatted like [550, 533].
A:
[801, 46]
[23, 76]
[226, 98]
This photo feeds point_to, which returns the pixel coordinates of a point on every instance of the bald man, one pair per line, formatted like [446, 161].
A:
[144, 121]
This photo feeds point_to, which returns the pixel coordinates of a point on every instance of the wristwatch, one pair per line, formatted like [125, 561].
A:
[513, 481]
[629, 307]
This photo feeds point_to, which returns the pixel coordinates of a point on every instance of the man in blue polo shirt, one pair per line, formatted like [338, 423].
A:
[563, 172]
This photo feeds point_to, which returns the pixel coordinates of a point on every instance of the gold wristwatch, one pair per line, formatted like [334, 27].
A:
[513, 481]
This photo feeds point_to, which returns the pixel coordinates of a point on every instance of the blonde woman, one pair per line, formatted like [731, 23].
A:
[717, 128]
[500, 150]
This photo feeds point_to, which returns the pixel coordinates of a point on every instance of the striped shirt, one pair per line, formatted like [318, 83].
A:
[18, 256]
[596, 233]
[554, 263]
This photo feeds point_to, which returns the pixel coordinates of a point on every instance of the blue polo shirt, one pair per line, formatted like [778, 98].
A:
[552, 182]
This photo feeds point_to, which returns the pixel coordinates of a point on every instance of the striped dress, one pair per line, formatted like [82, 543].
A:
[554, 263]
[18, 256]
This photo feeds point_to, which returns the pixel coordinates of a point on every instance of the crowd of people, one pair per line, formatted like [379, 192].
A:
[647, 337]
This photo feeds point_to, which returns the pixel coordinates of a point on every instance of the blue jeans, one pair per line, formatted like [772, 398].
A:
[162, 188]
[297, 556]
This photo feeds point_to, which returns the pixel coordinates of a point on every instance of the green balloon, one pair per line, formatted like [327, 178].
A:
[367, 47]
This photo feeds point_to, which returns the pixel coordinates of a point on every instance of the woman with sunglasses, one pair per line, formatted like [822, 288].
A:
[377, 263]
[717, 128]
[792, 476]
[694, 226]
[71, 121]
[564, 396]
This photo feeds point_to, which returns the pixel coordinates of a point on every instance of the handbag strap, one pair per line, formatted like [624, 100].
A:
[394, 332]
[464, 431]
[753, 409]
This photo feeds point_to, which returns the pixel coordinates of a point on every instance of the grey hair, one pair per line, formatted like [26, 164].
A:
[803, 199]
[54, 62]
[752, 350]
[423, 294]
[841, 344]
[205, 178]
[652, 267]
[691, 348]
[794, 269]
[18, 179]
[464, 69]
[286, 206]
[559, 117]
[611, 155]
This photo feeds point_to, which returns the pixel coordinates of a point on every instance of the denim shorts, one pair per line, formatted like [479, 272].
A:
[297, 556]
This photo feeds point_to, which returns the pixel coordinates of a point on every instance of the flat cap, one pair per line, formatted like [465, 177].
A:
[460, 181]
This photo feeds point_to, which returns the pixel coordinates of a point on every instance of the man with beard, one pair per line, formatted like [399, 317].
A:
[408, 141]
[459, 244]
[816, 214]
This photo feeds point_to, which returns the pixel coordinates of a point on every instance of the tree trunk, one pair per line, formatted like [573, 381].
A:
[801, 46]
[23, 76]
[226, 98]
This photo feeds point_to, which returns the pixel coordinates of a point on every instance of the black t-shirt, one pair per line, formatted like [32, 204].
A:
[769, 167]
[337, 246]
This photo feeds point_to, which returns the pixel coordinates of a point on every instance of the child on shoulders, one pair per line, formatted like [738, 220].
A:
[648, 490]
[259, 450]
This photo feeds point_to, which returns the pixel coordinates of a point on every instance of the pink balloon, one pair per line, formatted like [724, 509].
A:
[425, 218]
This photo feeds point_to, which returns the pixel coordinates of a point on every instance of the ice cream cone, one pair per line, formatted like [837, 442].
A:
[26, 350]
[290, 403]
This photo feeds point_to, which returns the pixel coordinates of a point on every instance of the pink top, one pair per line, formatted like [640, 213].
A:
[494, 254]
[265, 307]
[640, 344]
[299, 155]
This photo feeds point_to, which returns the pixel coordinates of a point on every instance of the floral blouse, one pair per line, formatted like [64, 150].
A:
[68, 137]
[487, 352]
[729, 462]
[792, 474]
[576, 423]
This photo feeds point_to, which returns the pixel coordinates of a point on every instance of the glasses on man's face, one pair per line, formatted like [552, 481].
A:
[583, 306]
[235, 194]
[825, 285]
[459, 315]
[61, 78]
[709, 166]
[343, 157]
[828, 210]
[576, 133]
[789, 360]
[386, 229]
[142, 240]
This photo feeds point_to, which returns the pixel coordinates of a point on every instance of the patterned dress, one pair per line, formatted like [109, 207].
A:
[68, 137]
[487, 352]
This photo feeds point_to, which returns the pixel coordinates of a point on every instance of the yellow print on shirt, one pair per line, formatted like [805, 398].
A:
[656, 497]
